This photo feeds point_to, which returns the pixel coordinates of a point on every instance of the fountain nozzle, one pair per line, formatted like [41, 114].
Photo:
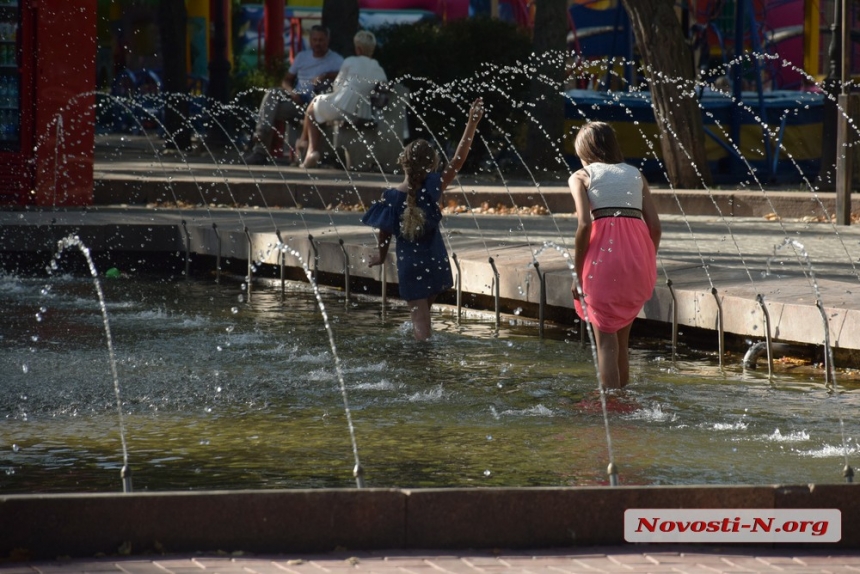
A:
[125, 474]
[752, 355]
[612, 471]
[848, 473]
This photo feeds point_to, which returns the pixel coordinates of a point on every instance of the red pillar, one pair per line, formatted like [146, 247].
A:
[274, 30]
[64, 111]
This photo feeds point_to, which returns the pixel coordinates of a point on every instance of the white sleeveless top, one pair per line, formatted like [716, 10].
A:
[614, 185]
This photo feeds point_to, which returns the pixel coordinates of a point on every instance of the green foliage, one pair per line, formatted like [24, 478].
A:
[446, 66]
[250, 82]
[456, 50]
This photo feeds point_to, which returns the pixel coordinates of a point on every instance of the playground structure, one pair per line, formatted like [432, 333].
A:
[766, 53]
[786, 35]
[791, 29]
[598, 30]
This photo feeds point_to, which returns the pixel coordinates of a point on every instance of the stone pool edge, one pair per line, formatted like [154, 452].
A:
[45, 526]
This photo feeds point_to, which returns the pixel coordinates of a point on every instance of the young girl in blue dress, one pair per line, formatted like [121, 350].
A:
[411, 213]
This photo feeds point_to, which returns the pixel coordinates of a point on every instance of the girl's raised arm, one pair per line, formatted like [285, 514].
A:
[476, 112]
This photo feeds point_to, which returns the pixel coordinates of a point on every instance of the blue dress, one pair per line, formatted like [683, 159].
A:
[423, 269]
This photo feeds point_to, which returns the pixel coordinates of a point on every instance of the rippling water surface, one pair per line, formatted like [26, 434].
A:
[219, 393]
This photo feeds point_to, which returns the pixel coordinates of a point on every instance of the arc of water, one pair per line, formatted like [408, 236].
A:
[735, 146]
[283, 248]
[612, 468]
[122, 102]
[587, 328]
[313, 185]
[660, 260]
[126, 471]
[803, 255]
[74, 241]
[215, 119]
[240, 115]
[704, 265]
[814, 189]
[771, 134]
[358, 471]
[194, 178]
[441, 148]
[57, 158]
[447, 91]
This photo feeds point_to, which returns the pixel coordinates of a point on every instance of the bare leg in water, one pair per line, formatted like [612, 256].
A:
[420, 311]
[612, 357]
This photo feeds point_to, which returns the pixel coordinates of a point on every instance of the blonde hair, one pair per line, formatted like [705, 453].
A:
[596, 143]
[417, 160]
[365, 40]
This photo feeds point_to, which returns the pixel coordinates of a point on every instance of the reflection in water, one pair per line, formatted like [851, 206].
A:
[221, 394]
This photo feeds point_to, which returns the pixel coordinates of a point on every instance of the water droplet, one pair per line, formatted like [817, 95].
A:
[230, 328]
[234, 310]
[487, 473]
[25, 368]
[489, 437]
[15, 448]
[518, 310]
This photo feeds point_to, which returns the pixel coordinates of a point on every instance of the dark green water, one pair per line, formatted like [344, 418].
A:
[219, 393]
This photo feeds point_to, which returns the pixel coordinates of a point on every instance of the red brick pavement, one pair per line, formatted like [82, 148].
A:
[639, 559]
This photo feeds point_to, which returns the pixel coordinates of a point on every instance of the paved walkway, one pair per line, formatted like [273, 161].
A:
[633, 559]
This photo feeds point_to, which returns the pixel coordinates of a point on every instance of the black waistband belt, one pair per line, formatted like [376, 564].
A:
[616, 212]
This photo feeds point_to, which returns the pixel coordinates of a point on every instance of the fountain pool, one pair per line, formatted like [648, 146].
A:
[220, 393]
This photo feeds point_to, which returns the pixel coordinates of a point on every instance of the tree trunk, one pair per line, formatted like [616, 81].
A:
[543, 147]
[341, 18]
[666, 56]
[172, 22]
[832, 88]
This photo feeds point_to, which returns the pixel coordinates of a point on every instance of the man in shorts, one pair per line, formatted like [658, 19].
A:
[311, 70]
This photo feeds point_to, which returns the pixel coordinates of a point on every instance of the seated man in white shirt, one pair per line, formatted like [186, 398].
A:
[309, 69]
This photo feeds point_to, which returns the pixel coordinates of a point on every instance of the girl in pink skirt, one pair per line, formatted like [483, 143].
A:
[616, 243]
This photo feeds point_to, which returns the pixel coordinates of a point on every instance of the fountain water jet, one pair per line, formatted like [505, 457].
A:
[483, 236]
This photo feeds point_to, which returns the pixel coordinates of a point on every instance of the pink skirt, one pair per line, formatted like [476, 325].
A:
[619, 272]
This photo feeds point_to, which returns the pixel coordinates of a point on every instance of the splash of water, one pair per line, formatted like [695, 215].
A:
[75, 241]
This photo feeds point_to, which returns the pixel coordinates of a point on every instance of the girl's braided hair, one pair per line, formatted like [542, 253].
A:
[417, 159]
